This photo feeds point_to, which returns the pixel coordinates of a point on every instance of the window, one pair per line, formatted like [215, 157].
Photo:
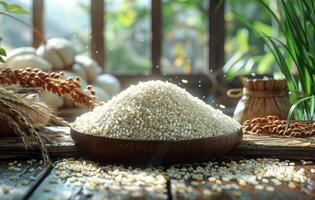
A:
[185, 37]
[135, 42]
[14, 34]
[70, 21]
[245, 53]
[128, 40]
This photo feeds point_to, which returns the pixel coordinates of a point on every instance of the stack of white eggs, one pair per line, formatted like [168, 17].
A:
[59, 54]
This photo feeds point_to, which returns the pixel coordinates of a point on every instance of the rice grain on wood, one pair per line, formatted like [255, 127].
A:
[155, 110]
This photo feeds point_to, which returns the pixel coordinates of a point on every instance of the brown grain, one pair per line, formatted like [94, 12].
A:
[272, 125]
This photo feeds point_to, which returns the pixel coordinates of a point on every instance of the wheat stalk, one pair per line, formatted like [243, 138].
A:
[52, 82]
[25, 117]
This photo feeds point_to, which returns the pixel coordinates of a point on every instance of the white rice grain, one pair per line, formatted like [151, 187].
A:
[156, 110]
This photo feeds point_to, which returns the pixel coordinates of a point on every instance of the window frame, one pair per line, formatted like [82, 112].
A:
[98, 26]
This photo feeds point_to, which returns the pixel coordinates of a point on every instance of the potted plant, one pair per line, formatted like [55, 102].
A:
[294, 51]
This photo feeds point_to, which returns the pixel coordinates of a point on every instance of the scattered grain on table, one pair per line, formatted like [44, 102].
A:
[96, 177]
[260, 174]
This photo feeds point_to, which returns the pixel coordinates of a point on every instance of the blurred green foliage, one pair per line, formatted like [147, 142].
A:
[185, 36]
[7, 9]
[245, 54]
[127, 36]
[293, 49]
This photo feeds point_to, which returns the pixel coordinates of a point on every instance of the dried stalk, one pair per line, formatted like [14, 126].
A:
[24, 117]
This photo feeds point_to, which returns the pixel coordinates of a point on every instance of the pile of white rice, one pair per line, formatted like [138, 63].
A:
[155, 110]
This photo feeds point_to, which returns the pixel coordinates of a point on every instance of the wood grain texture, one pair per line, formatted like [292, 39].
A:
[61, 144]
[54, 187]
[196, 189]
[22, 182]
[156, 42]
[284, 147]
[216, 42]
[97, 34]
[156, 151]
[38, 22]
[246, 193]
[45, 184]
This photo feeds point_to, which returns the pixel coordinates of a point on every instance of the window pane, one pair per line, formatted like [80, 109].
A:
[245, 53]
[69, 19]
[185, 37]
[13, 33]
[128, 29]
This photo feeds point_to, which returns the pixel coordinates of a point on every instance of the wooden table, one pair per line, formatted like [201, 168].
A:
[28, 179]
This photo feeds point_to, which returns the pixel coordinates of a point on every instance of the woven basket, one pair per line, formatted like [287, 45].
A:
[259, 98]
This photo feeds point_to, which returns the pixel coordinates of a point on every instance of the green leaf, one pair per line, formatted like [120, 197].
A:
[2, 52]
[292, 109]
[242, 39]
[15, 8]
[263, 28]
[1, 60]
[265, 63]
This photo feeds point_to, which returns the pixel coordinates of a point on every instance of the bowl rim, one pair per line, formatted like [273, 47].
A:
[239, 133]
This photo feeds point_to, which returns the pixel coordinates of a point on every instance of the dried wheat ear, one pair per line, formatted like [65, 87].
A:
[51, 82]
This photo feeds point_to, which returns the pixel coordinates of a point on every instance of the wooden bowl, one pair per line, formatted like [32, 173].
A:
[155, 151]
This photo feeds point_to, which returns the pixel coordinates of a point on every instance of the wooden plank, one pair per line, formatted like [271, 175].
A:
[284, 147]
[64, 183]
[216, 42]
[38, 22]
[18, 180]
[188, 188]
[156, 28]
[59, 144]
[97, 34]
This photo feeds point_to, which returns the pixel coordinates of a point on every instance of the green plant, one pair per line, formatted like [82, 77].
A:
[245, 54]
[294, 52]
[292, 109]
[8, 10]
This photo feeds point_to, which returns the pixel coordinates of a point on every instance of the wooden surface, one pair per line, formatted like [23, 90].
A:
[42, 183]
[35, 182]
[156, 151]
[284, 147]
[19, 181]
[55, 187]
[61, 144]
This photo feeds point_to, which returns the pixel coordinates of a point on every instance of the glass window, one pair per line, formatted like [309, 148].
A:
[14, 34]
[185, 37]
[245, 53]
[128, 41]
[69, 19]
